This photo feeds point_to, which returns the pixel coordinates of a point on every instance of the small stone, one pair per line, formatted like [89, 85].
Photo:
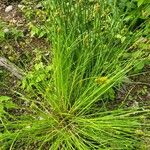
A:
[14, 21]
[20, 6]
[6, 30]
[8, 8]
[6, 47]
[39, 6]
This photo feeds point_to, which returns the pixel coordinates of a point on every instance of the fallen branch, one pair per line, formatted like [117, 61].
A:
[16, 71]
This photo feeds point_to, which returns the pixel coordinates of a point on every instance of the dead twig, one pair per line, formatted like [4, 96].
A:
[16, 71]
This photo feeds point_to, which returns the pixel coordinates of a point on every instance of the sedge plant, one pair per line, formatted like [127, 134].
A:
[89, 41]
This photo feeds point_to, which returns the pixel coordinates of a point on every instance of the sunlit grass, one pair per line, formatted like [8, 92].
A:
[87, 61]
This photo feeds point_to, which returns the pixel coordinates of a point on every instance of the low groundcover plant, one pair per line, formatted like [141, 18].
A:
[58, 109]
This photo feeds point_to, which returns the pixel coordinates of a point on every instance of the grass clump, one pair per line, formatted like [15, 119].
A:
[89, 43]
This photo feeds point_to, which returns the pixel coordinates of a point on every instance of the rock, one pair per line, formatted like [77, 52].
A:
[20, 6]
[6, 47]
[14, 21]
[7, 33]
[8, 8]
[39, 6]
[6, 30]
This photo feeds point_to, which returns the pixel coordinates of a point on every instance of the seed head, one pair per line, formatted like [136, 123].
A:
[101, 80]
